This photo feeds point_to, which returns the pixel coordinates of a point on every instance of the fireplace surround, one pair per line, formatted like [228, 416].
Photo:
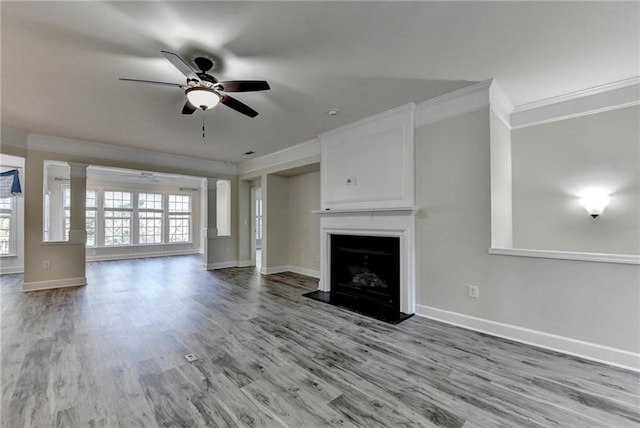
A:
[397, 225]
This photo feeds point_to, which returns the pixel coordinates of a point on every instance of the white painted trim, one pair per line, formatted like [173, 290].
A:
[222, 265]
[245, 263]
[91, 149]
[465, 100]
[500, 103]
[375, 224]
[397, 128]
[596, 90]
[401, 111]
[129, 256]
[11, 269]
[587, 350]
[304, 271]
[274, 269]
[599, 99]
[54, 283]
[270, 160]
[13, 137]
[568, 255]
[401, 210]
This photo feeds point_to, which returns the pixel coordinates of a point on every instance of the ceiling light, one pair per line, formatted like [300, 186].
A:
[595, 201]
[203, 98]
[333, 112]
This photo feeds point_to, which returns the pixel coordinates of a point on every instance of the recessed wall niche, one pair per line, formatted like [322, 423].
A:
[554, 163]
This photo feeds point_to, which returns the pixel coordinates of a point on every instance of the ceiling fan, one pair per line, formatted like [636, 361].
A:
[204, 91]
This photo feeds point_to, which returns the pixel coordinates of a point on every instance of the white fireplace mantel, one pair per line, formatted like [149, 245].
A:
[399, 223]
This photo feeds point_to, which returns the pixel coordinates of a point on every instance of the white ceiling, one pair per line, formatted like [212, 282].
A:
[61, 62]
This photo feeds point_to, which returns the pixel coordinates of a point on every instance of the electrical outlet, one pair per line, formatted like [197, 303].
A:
[46, 264]
[474, 291]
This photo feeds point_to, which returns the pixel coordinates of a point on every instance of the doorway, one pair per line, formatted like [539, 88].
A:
[256, 226]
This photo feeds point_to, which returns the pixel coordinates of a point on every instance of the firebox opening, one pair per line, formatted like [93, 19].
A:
[365, 276]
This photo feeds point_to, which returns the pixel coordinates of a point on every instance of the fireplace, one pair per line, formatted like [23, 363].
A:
[355, 246]
[365, 273]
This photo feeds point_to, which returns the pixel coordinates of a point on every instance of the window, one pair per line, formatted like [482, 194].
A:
[117, 217]
[90, 213]
[7, 226]
[223, 207]
[66, 206]
[258, 219]
[150, 213]
[179, 218]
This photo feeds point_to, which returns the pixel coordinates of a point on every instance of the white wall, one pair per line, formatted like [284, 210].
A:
[554, 163]
[304, 226]
[585, 301]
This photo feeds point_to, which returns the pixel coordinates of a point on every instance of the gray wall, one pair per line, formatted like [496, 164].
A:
[594, 302]
[304, 226]
[553, 163]
[275, 211]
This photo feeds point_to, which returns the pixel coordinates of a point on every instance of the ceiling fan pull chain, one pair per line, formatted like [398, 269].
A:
[203, 124]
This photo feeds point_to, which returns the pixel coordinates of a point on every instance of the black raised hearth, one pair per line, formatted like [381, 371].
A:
[365, 276]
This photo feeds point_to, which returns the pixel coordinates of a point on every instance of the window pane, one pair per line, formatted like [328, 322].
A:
[150, 201]
[117, 227]
[179, 227]
[5, 233]
[91, 199]
[6, 204]
[66, 197]
[67, 223]
[150, 227]
[180, 203]
[91, 228]
[117, 199]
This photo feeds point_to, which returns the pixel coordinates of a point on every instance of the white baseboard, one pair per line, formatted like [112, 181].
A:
[244, 263]
[54, 283]
[590, 351]
[11, 269]
[222, 265]
[304, 271]
[274, 269]
[128, 256]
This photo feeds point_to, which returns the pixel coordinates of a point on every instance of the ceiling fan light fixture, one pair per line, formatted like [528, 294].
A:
[202, 98]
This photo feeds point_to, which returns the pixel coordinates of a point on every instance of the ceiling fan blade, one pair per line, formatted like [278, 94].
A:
[188, 108]
[237, 105]
[153, 82]
[244, 85]
[180, 64]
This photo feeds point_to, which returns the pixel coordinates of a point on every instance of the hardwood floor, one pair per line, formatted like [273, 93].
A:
[112, 354]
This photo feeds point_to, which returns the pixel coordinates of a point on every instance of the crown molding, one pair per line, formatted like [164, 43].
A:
[465, 100]
[308, 149]
[13, 137]
[91, 149]
[623, 93]
[500, 103]
[410, 107]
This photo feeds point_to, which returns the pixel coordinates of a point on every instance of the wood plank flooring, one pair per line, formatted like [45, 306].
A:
[112, 354]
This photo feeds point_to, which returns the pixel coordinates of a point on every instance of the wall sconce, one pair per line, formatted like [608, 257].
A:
[595, 201]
